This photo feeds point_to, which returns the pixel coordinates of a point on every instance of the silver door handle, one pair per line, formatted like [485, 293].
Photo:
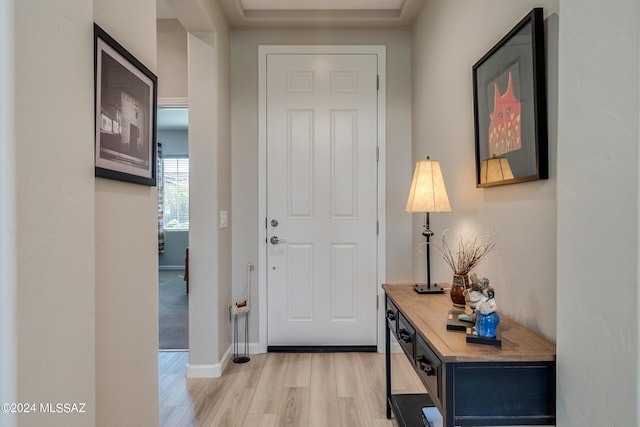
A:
[275, 240]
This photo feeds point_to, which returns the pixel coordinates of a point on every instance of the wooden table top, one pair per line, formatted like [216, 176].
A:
[428, 314]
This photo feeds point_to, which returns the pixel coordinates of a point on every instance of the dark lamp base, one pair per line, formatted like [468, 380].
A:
[423, 288]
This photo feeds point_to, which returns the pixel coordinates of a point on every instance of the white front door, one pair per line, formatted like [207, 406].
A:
[321, 115]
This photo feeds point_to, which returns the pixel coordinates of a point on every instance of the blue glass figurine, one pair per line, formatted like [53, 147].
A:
[487, 318]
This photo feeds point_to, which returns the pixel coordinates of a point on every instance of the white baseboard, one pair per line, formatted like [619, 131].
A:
[204, 371]
[209, 371]
[170, 267]
[254, 348]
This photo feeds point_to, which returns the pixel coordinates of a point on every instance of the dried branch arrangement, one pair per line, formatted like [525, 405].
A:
[470, 253]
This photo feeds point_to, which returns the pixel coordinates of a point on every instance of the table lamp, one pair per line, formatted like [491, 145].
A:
[428, 194]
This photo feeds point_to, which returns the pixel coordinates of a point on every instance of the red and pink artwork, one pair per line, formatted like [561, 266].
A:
[504, 130]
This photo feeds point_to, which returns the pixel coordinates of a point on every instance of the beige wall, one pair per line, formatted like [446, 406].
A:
[203, 234]
[562, 244]
[54, 208]
[224, 179]
[172, 59]
[126, 275]
[86, 304]
[207, 79]
[244, 103]
[448, 38]
[598, 193]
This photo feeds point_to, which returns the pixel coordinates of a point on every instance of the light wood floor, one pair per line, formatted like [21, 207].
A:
[277, 389]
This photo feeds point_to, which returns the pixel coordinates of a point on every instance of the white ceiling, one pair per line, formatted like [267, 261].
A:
[314, 13]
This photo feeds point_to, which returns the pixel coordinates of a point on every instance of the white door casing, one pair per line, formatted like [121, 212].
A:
[321, 132]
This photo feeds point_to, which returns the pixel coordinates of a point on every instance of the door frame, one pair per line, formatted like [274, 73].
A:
[263, 51]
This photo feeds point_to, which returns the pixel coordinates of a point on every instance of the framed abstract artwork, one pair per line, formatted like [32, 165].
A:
[510, 107]
[125, 113]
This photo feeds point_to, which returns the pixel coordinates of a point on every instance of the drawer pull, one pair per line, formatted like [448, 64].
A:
[404, 336]
[391, 315]
[425, 366]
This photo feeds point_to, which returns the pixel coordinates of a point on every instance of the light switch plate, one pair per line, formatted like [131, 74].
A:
[224, 219]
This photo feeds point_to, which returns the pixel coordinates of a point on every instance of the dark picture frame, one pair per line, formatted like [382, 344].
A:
[510, 107]
[126, 95]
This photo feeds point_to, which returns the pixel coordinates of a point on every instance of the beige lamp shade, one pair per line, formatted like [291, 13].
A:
[428, 192]
[495, 169]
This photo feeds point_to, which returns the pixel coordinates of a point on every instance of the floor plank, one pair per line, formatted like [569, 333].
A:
[260, 420]
[233, 410]
[347, 375]
[353, 411]
[323, 410]
[177, 416]
[246, 375]
[371, 369]
[278, 389]
[294, 407]
[298, 370]
[404, 379]
[266, 399]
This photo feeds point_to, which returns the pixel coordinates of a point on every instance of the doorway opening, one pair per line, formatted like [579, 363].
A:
[173, 228]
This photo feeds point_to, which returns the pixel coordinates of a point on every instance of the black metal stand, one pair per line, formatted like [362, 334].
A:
[244, 358]
[428, 288]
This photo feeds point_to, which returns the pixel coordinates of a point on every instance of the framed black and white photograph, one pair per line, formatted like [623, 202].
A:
[125, 113]
[510, 107]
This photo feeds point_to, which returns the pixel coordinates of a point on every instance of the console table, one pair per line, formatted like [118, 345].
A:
[469, 384]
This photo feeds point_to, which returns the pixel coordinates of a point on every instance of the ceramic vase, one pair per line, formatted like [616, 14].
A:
[459, 287]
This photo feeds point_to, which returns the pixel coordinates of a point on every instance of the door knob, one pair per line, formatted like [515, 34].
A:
[275, 240]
